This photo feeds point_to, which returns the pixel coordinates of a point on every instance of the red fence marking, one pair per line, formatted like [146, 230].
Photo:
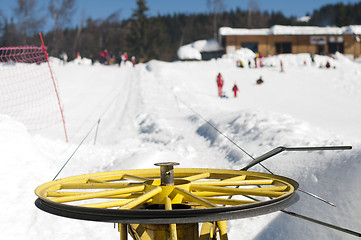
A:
[27, 88]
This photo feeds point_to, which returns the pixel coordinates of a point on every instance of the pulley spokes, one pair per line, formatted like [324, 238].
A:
[180, 195]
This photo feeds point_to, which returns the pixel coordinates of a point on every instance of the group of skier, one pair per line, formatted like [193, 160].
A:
[105, 57]
[220, 83]
[110, 59]
[257, 62]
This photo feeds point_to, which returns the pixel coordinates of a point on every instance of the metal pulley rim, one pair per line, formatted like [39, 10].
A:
[143, 216]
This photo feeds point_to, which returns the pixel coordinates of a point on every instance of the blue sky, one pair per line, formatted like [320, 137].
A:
[103, 8]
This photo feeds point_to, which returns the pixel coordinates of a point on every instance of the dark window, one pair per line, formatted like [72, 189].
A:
[223, 42]
[321, 50]
[251, 45]
[284, 47]
[335, 47]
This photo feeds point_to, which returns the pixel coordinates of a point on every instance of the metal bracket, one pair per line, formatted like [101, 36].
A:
[280, 149]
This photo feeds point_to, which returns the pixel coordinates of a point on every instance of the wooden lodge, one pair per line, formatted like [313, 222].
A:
[294, 39]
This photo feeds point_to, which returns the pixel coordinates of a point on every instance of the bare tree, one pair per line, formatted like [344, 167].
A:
[217, 7]
[77, 36]
[253, 7]
[62, 12]
[29, 21]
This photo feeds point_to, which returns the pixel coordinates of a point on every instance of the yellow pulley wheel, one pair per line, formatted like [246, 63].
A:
[168, 195]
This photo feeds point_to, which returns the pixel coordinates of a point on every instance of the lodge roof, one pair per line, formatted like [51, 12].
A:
[291, 30]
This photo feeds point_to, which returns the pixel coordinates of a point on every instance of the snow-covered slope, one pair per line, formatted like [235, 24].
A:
[151, 113]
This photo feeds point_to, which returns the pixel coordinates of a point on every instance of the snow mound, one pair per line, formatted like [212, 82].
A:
[300, 59]
[243, 54]
[187, 52]
[81, 61]
[342, 58]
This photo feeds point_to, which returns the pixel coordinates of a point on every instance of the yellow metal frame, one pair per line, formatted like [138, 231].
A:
[195, 187]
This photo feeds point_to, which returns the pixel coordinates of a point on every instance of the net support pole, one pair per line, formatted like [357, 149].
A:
[55, 88]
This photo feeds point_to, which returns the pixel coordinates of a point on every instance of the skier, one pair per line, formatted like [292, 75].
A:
[106, 57]
[220, 83]
[313, 59]
[281, 63]
[92, 58]
[255, 62]
[328, 65]
[63, 57]
[119, 58]
[133, 61]
[260, 60]
[235, 89]
[102, 57]
[78, 58]
[259, 81]
[124, 58]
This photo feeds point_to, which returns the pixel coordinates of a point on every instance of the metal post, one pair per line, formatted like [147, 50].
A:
[166, 173]
[122, 228]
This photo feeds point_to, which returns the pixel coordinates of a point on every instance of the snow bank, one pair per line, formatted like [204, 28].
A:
[301, 59]
[243, 54]
[342, 58]
[295, 60]
[76, 61]
[29, 161]
[81, 61]
[187, 52]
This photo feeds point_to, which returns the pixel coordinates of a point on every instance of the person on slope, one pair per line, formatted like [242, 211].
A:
[260, 60]
[259, 81]
[220, 83]
[328, 65]
[235, 89]
[133, 60]
[63, 57]
[124, 58]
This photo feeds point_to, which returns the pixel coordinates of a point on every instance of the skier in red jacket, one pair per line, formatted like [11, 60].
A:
[220, 84]
[235, 89]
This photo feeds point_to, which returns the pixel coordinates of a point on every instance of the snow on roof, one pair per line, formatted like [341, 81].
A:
[207, 45]
[243, 31]
[304, 19]
[300, 30]
[193, 50]
[353, 29]
[291, 30]
[187, 52]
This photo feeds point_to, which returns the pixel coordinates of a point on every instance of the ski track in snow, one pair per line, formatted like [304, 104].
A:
[153, 113]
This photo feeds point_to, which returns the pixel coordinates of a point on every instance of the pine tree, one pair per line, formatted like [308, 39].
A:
[141, 39]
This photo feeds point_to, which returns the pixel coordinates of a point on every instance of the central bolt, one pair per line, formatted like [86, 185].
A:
[166, 173]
